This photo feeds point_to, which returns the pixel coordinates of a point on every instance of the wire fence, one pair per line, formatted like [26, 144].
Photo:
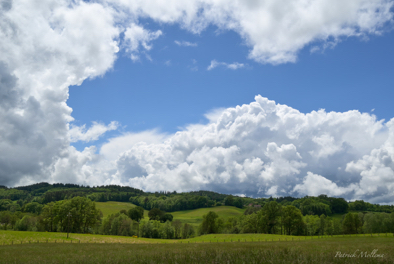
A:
[228, 240]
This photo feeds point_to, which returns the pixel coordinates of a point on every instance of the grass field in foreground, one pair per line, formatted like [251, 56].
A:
[25, 237]
[304, 251]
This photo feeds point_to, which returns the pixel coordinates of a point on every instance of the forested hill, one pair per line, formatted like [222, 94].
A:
[15, 199]
[45, 192]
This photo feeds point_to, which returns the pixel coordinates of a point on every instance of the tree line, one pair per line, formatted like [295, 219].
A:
[80, 215]
[274, 218]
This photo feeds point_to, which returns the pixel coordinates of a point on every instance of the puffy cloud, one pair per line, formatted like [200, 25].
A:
[264, 149]
[315, 185]
[79, 133]
[232, 66]
[120, 144]
[135, 36]
[376, 170]
[45, 50]
[275, 30]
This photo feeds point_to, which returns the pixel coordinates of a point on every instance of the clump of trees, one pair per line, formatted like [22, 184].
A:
[167, 230]
[119, 224]
[78, 215]
[273, 218]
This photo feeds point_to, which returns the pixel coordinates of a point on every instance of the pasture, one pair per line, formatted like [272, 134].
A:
[114, 207]
[193, 217]
[340, 249]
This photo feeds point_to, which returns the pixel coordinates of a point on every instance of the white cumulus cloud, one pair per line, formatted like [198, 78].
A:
[264, 148]
[80, 133]
[275, 30]
[136, 36]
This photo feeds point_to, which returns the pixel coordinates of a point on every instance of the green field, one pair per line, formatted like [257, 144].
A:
[114, 207]
[317, 250]
[193, 217]
[26, 237]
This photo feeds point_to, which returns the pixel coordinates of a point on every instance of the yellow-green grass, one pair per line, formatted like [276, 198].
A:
[194, 217]
[114, 207]
[305, 251]
[25, 237]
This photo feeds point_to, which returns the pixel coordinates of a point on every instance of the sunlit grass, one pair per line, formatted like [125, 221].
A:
[25, 237]
[114, 207]
[194, 217]
[301, 251]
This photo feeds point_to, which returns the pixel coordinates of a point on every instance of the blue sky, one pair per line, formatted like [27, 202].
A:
[254, 97]
[175, 89]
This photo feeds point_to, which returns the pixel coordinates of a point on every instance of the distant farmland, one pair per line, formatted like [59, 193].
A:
[193, 217]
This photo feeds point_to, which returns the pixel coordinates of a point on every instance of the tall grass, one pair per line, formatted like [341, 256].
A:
[25, 237]
[304, 251]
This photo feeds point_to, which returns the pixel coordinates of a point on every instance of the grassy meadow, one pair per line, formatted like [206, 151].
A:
[193, 217]
[9, 237]
[317, 250]
[114, 207]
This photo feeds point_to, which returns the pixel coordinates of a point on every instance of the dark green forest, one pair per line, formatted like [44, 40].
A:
[71, 208]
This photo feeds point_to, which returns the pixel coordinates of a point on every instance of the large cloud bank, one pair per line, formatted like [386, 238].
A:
[258, 149]
[264, 148]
